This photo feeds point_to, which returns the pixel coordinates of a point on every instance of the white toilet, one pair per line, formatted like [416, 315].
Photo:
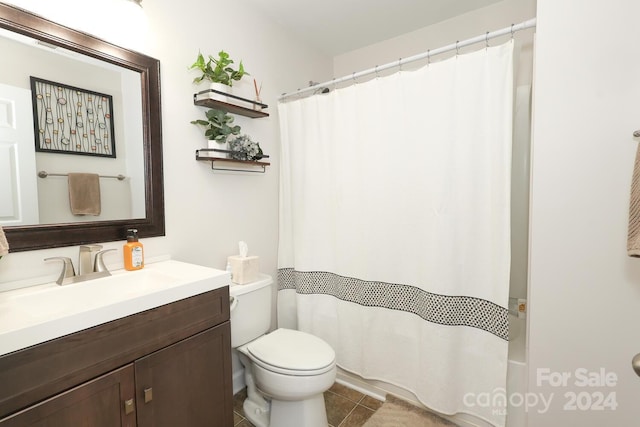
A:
[286, 371]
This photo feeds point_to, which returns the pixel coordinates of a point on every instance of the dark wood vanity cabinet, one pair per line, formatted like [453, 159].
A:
[169, 366]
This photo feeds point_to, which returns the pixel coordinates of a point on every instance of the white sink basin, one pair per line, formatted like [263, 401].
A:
[91, 294]
[40, 313]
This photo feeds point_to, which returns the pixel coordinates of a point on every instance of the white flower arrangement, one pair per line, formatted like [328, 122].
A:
[243, 148]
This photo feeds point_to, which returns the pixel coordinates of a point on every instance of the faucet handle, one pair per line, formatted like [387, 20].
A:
[67, 268]
[98, 266]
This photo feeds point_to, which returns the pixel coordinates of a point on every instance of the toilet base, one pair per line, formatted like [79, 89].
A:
[256, 413]
[256, 407]
[286, 413]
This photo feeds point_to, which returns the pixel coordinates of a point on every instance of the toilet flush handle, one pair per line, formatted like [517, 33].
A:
[233, 302]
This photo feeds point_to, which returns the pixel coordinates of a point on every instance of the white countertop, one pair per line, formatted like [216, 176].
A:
[37, 314]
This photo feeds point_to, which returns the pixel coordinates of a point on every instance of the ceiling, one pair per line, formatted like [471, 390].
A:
[339, 26]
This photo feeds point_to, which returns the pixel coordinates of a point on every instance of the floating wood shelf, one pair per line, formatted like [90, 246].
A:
[225, 164]
[202, 100]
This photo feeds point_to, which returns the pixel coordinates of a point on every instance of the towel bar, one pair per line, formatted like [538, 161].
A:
[44, 174]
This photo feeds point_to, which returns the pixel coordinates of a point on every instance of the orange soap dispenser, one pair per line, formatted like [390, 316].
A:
[133, 251]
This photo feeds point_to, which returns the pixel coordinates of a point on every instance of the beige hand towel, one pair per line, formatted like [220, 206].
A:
[633, 236]
[4, 245]
[84, 193]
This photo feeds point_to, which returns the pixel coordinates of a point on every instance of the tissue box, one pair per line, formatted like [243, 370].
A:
[244, 269]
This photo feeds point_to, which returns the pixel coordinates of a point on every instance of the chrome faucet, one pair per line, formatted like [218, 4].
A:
[89, 267]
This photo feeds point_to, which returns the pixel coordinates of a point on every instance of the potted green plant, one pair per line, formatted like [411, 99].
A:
[218, 71]
[218, 128]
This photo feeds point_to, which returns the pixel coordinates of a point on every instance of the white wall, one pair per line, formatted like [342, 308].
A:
[207, 213]
[584, 291]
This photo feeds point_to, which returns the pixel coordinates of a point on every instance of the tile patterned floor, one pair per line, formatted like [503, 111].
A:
[345, 407]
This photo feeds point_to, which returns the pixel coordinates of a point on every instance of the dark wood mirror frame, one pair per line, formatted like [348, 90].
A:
[25, 238]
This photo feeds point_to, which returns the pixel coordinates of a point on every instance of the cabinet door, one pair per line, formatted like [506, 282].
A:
[97, 403]
[188, 383]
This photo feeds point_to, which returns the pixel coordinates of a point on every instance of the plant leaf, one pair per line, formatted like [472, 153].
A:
[199, 64]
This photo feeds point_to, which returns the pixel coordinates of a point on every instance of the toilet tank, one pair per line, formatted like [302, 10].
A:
[250, 310]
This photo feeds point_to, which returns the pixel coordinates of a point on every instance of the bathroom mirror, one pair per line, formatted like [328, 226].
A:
[150, 221]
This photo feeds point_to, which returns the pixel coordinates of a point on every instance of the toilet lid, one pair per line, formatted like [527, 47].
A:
[289, 350]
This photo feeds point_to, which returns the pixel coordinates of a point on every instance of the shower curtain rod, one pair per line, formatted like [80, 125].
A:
[428, 54]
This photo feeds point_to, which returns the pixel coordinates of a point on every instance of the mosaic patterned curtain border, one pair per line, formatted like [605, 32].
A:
[441, 309]
[71, 120]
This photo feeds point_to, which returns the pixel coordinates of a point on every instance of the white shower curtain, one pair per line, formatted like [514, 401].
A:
[394, 227]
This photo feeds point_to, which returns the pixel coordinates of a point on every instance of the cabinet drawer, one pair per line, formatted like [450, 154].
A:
[41, 371]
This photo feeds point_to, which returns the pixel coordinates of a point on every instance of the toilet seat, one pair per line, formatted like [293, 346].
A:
[290, 352]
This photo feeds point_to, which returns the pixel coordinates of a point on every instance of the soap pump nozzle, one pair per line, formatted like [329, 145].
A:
[132, 235]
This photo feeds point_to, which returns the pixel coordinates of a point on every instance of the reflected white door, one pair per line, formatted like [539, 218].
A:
[18, 186]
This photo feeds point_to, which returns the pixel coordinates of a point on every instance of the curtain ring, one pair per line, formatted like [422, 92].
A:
[512, 30]
[400, 64]
[486, 40]
[353, 76]
[376, 70]
[457, 49]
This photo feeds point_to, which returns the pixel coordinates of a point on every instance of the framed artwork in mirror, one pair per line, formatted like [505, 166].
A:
[71, 120]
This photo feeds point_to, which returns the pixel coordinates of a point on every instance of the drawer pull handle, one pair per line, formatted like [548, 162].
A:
[128, 406]
[148, 395]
